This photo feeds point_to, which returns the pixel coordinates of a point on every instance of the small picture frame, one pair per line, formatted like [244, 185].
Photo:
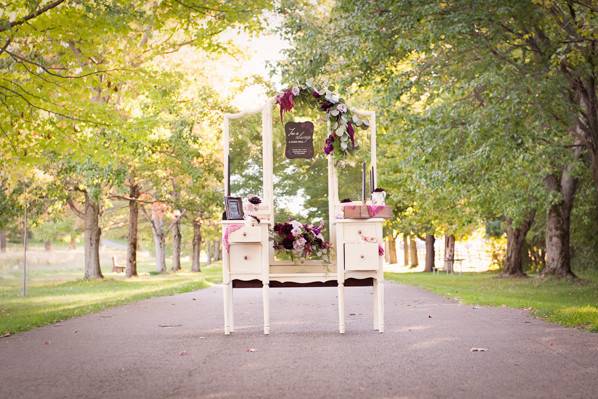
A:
[233, 208]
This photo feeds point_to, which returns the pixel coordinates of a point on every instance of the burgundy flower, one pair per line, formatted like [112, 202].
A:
[278, 228]
[287, 243]
[325, 105]
[285, 100]
[255, 200]
[351, 133]
[286, 229]
[316, 94]
[329, 147]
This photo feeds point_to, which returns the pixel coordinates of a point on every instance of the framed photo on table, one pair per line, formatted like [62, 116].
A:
[233, 208]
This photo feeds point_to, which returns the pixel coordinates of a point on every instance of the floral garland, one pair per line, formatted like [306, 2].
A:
[341, 138]
[298, 239]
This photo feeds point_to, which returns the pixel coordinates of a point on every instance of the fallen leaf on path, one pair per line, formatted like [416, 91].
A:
[475, 307]
[5, 335]
[75, 332]
[202, 337]
[351, 314]
[478, 350]
[183, 353]
[429, 317]
[169, 325]
[46, 342]
[251, 349]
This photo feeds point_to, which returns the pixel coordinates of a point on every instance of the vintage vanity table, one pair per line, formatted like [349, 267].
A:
[248, 256]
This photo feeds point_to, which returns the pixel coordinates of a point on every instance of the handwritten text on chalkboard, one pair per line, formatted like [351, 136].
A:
[299, 140]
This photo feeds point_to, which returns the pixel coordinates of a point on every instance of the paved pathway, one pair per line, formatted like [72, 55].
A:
[424, 353]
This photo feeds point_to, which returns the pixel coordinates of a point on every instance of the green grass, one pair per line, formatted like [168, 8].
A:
[572, 304]
[55, 296]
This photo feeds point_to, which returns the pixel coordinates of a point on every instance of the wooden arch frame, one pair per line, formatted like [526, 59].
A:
[268, 165]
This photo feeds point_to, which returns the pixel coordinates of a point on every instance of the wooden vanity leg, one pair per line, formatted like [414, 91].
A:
[375, 302]
[380, 284]
[341, 307]
[266, 301]
[225, 288]
[231, 315]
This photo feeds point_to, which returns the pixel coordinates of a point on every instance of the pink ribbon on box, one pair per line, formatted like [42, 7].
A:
[231, 228]
[373, 210]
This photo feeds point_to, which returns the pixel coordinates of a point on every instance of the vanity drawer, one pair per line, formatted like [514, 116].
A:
[361, 256]
[247, 233]
[245, 258]
[354, 231]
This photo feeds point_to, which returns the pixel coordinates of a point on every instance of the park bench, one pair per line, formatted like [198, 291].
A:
[116, 268]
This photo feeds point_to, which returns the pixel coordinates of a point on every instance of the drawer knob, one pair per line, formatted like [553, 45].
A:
[358, 231]
[362, 257]
[245, 257]
[244, 234]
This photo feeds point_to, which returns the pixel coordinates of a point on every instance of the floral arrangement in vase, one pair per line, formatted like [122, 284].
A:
[341, 137]
[300, 240]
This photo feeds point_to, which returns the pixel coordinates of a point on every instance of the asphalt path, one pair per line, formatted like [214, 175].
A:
[174, 347]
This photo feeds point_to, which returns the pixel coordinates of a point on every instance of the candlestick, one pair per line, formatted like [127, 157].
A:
[363, 183]
[372, 183]
[228, 175]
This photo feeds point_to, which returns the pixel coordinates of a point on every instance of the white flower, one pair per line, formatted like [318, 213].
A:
[344, 145]
[295, 90]
[341, 107]
[340, 131]
[299, 244]
[309, 83]
[331, 97]
[296, 224]
[334, 112]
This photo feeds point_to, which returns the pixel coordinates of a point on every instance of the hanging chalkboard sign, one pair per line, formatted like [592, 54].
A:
[299, 140]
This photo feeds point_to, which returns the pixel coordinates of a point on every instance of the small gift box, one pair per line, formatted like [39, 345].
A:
[353, 211]
[358, 211]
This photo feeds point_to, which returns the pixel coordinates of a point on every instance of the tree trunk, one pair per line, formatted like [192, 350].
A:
[413, 260]
[218, 246]
[449, 253]
[515, 247]
[158, 210]
[430, 253]
[195, 256]
[405, 250]
[392, 250]
[209, 252]
[2, 241]
[131, 267]
[176, 245]
[558, 224]
[72, 241]
[92, 239]
[48, 245]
